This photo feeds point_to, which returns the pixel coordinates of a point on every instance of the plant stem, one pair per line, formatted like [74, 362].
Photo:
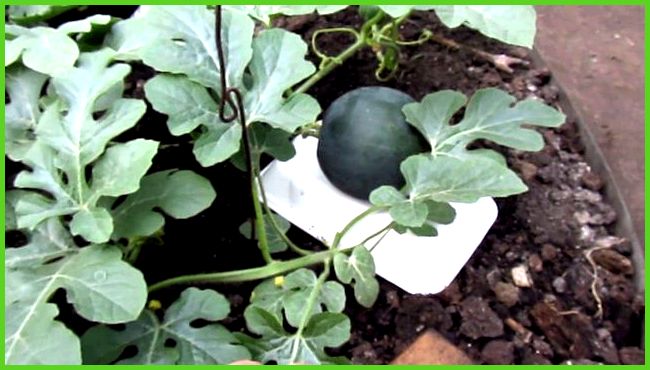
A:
[307, 313]
[256, 273]
[347, 53]
[354, 221]
[274, 224]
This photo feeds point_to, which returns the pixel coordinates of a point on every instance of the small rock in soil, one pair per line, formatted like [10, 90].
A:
[542, 347]
[418, 312]
[528, 170]
[549, 252]
[535, 263]
[621, 245]
[479, 320]
[498, 352]
[506, 293]
[365, 353]
[571, 334]
[582, 217]
[592, 181]
[521, 277]
[579, 278]
[613, 261]
[588, 196]
[581, 361]
[632, 356]
[493, 277]
[532, 358]
[559, 284]
[604, 347]
[451, 294]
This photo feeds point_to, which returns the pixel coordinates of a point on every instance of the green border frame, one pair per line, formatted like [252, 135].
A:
[260, 2]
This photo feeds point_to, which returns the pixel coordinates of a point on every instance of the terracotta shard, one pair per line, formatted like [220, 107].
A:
[431, 348]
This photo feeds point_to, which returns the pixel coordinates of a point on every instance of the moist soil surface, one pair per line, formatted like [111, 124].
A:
[575, 300]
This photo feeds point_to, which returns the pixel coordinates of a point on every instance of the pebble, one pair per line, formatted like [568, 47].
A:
[498, 352]
[621, 245]
[506, 293]
[582, 217]
[592, 181]
[520, 277]
[528, 170]
[543, 348]
[588, 196]
[479, 320]
[632, 356]
[493, 277]
[613, 261]
[535, 262]
[559, 284]
[549, 252]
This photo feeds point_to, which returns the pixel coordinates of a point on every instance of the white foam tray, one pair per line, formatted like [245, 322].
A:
[299, 191]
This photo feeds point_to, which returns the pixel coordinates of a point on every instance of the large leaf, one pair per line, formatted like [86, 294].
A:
[289, 294]
[358, 270]
[69, 138]
[452, 179]
[275, 60]
[433, 181]
[99, 285]
[23, 112]
[264, 13]
[48, 50]
[278, 63]
[185, 42]
[207, 344]
[30, 14]
[50, 240]
[189, 105]
[451, 173]
[514, 24]
[180, 194]
[490, 114]
[325, 329]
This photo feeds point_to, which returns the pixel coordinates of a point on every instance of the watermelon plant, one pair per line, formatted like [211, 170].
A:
[87, 200]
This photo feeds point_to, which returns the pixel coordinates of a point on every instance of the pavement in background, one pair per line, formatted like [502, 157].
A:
[596, 54]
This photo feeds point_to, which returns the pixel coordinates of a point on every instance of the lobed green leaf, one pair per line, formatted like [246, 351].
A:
[204, 345]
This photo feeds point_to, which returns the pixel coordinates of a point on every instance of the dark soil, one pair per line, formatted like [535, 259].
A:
[548, 230]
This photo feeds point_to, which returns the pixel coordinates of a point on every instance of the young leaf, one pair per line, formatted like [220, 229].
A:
[290, 293]
[489, 115]
[437, 213]
[325, 329]
[23, 112]
[180, 194]
[514, 24]
[69, 139]
[359, 267]
[47, 50]
[275, 241]
[204, 345]
[98, 283]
